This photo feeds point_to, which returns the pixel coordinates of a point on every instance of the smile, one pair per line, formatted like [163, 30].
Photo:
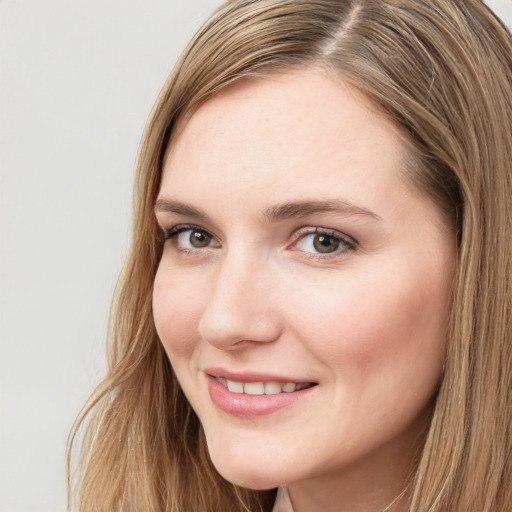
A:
[262, 388]
[254, 395]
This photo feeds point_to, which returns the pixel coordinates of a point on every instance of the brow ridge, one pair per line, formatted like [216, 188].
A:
[304, 208]
[276, 212]
[187, 210]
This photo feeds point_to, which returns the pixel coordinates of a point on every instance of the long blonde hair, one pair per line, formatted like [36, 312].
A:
[440, 70]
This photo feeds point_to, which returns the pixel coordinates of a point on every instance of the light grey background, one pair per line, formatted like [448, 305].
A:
[77, 81]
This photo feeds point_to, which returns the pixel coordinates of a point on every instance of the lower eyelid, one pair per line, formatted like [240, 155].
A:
[347, 242]
[172, 235]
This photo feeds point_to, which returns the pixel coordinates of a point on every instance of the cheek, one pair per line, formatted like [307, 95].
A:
[380, 321]
[176, 312]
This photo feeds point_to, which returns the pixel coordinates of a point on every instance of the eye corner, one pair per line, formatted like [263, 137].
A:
[190, 238]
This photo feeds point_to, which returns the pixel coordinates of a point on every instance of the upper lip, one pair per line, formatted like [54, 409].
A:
[252, 376]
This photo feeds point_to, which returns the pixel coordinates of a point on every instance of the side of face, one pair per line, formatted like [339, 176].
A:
[297, 252]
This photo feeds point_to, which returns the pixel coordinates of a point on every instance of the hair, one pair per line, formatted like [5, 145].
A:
[442, 72]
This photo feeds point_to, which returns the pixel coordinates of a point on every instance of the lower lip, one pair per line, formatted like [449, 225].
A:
[251, 406]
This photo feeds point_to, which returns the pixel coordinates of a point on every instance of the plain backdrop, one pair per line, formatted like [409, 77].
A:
[77, 81]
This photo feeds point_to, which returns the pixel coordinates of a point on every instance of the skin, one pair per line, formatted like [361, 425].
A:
[365, 321]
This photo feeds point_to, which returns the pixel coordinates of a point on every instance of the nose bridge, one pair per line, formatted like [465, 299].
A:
[239, 307]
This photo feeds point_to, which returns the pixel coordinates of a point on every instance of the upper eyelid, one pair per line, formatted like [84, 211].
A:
[295, 236]
[173, 219]
[177, 229]
[328, 231]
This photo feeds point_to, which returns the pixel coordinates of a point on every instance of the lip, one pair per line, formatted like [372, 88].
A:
[252, 376]
[251, 406]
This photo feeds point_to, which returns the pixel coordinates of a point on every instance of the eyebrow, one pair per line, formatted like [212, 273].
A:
[277, 212]
[170, 206]
[304, 208]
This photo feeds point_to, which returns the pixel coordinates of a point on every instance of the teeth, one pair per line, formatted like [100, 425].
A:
[272, 388]
[254, 388]
[235, 387]
[262, 388]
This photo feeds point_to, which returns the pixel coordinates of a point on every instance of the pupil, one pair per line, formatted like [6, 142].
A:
[325, 243]
[198, 239]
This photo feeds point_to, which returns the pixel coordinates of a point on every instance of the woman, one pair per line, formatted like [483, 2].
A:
[318, 293]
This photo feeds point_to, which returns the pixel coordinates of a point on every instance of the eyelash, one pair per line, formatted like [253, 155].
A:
[171, 234]
[348, 244]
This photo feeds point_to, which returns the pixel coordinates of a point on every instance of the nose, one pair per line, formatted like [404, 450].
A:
[241, 306]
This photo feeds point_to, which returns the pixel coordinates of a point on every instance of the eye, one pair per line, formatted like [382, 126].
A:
[323, 242]
[189, 238]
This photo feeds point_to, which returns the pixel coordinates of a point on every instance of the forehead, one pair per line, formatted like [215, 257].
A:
[292, 103]
[303, 128]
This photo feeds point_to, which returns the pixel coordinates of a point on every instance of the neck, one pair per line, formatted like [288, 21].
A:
[376, 483]
[334, 497]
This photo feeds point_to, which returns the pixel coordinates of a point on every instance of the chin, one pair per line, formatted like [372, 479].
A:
[247, 473]
[250, 480]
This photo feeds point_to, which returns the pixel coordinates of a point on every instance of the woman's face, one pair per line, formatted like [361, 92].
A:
[304, 287]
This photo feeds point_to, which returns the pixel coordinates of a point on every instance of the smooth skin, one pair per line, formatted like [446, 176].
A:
[297, 246]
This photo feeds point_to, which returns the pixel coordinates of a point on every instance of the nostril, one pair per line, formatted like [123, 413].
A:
[238, 327]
